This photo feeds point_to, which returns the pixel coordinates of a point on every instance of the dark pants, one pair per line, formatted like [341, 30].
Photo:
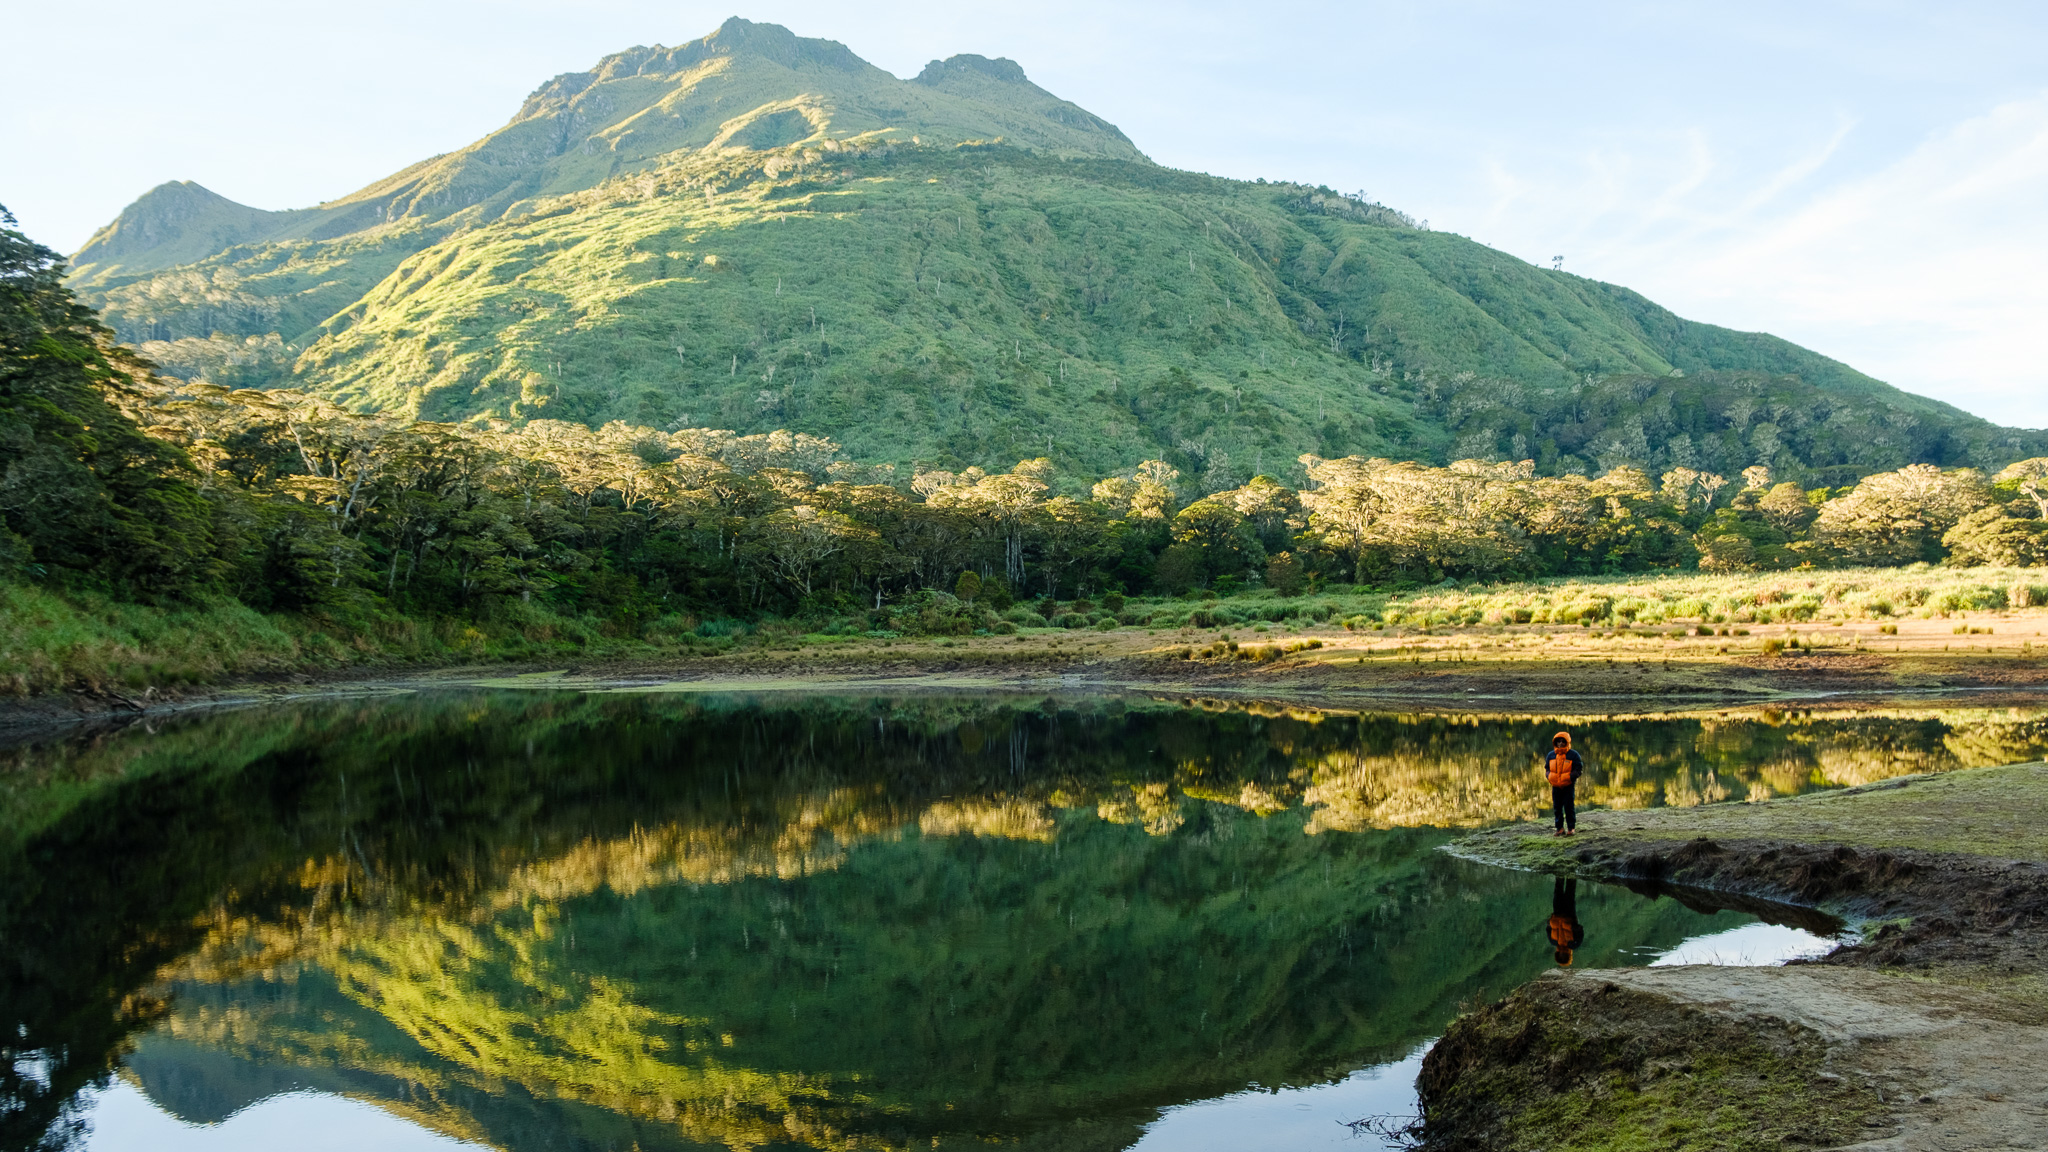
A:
[1564, 805]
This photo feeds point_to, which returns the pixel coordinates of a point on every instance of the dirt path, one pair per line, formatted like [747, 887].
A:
[1952, 1068]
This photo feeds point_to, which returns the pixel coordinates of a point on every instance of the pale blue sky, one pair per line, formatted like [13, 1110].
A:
[1867, 179]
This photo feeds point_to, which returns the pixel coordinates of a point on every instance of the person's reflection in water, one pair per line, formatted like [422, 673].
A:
[1566, 933]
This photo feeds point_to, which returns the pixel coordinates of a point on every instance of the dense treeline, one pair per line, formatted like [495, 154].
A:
[158, 488]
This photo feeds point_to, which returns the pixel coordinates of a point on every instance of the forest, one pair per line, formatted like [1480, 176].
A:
[119, 481]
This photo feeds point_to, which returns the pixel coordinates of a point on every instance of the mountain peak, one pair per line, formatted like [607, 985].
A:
[775, 43]
[174, 223]
[745, 86]
[1002, 69]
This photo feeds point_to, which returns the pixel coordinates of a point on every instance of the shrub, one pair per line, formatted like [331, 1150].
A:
[938, 614]
[1284, 574]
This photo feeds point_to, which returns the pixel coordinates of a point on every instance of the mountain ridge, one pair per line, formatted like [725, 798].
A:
[633, 108]
[757, 230]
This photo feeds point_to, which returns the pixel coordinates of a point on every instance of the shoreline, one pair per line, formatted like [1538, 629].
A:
[1521, 670]
[1924, 1032]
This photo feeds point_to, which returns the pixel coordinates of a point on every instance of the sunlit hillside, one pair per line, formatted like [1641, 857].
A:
[759, 231]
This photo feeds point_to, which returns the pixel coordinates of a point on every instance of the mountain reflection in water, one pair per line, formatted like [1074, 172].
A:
[553, 920]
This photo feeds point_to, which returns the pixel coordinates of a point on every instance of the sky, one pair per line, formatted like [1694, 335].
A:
[1866, 179]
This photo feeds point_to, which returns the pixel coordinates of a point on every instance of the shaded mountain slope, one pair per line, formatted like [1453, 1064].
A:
[760, 231]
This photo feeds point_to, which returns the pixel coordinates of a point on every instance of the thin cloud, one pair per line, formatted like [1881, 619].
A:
[1922, 271]
[1944, 244]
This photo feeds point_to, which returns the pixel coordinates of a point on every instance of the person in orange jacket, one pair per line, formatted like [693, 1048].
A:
[1566, 933]
[1562, 768]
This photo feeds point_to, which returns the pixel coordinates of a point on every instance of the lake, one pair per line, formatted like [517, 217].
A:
[548, 919]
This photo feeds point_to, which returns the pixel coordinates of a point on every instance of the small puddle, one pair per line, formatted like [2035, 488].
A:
[1757, 945]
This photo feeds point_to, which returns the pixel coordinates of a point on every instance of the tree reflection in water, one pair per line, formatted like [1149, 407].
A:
[562, 920]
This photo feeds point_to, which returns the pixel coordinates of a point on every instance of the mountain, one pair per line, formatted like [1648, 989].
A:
[757, 230]
[745, 86]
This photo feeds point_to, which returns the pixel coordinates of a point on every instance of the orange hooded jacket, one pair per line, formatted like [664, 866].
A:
[1560, 766]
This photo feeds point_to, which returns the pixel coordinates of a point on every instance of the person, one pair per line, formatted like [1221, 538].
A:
[1562, 768]
[1566, 933]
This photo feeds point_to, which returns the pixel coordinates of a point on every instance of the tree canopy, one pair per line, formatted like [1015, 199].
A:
[150, 486]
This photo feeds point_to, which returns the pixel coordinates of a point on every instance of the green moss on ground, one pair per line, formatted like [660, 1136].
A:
[1582, 1066]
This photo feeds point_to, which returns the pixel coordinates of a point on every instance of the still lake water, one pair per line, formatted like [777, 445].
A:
[559, 920]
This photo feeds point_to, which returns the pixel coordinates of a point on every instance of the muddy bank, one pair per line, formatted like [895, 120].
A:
[1436, 675]
[1929, 1032]
[1994, 657]
[1919, 909]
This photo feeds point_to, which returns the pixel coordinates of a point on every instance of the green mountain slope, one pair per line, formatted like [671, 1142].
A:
[759, 231]
[745, 86]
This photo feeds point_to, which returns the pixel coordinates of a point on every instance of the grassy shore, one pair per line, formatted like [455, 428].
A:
[52, 642]
[1705, 636]
[1996, 813]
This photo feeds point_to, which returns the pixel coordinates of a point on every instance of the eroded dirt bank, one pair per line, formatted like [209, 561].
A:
[1930, 1033]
